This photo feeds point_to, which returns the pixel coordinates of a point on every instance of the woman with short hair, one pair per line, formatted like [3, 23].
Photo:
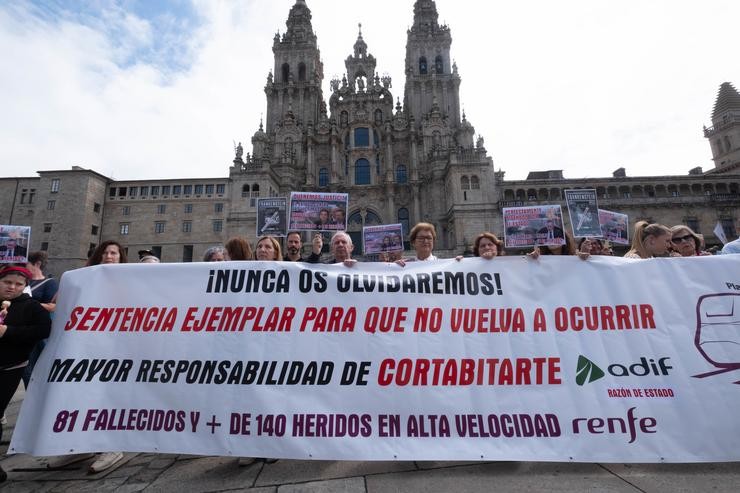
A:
[237, 248]
[685, 242]
[487, 246]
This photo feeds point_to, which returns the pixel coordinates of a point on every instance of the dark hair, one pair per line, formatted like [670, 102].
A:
[499, 244]
[97, 256]
[238, 249]
[300, 236]
[39, 256]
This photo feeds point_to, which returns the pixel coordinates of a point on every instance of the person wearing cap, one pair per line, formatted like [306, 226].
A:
[23, 322]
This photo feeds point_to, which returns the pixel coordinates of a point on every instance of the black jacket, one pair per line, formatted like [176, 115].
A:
[27, 323]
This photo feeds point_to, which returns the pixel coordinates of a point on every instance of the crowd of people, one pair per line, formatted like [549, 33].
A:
[28, 296]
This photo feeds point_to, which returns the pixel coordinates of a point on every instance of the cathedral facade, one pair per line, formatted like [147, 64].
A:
[399, 162]
[401, 158]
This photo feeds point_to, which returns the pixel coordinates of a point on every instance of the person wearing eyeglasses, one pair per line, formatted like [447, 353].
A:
[422, 238]
[685, 242]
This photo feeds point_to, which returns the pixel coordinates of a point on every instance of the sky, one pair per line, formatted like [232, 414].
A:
[144, 89]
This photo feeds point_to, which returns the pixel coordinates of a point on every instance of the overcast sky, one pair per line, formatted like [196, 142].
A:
[140, 89]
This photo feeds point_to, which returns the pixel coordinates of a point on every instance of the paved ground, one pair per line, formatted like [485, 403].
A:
[187, 473]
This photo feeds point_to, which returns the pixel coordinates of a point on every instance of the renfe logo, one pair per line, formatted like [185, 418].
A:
[614, 426]
[587, 371]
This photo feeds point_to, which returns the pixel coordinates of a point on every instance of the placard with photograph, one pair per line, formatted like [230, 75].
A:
[272, 216]
[584, 212]
[533, 226]
[311, 211]
[615, 227]
[14, 243]
[383, 238]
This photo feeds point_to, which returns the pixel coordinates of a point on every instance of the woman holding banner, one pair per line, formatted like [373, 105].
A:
[23, 323]
[568, 249]
[268, 248]
[650, 240]
[487, 246]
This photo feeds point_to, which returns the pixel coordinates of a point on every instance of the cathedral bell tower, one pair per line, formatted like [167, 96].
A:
[432, 81]
[294, 84]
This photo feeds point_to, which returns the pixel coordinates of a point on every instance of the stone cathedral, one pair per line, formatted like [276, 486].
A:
[402, 159]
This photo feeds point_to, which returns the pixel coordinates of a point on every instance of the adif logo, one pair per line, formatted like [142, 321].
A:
[587, 371]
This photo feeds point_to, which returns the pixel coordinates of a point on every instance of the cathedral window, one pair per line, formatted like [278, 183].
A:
[439, 65]
[378, 118]
[475, 182]
[245, 190]
[301, 71]
[285, 70]
[362, 172]
[403, 218]
[401, 176]
[422, 65]
[465, 183]
[255, 190]
[362, 137]
[323, 177]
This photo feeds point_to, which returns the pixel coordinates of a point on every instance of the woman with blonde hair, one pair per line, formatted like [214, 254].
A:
[268, 248]
[649, 240]
[237, 248]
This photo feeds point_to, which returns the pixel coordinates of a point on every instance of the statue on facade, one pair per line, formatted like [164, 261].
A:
[239, 150]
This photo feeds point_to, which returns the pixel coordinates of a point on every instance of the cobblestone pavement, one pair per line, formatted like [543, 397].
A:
[187, 473]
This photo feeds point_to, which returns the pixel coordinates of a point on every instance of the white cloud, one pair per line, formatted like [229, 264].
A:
[584, 86]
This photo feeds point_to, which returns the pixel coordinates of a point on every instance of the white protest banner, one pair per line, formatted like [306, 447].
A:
[556, 359]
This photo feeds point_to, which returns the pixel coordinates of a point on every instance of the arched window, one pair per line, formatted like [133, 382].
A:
[401, 176]
[423, 65]
[475, 182]
[439, 65]
[362, 137]
[255, 190]
[302, 71]
[465, 183]
[245, 190]
[403, 218]
[362, 172]
[285, 70]
[323, 177]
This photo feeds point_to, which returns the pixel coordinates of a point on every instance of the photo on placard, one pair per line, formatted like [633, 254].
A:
[14, 244]
[584, 212]
[272, 216]
[384, 238]
[533, 226]
[615, 227]
[318, 211]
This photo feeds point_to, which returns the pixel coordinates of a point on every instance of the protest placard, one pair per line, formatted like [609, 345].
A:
[533, 226]
[272, 216]
[583, 211]
[615, 227]
[14, 243]
[384, 238]
[311, 211]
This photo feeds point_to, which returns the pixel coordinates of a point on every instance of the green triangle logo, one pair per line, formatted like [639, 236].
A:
[587, 371]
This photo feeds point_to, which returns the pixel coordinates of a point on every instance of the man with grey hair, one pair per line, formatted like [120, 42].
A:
[340, 247]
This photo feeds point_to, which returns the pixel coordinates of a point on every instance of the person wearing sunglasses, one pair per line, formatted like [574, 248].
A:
[685, 242]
